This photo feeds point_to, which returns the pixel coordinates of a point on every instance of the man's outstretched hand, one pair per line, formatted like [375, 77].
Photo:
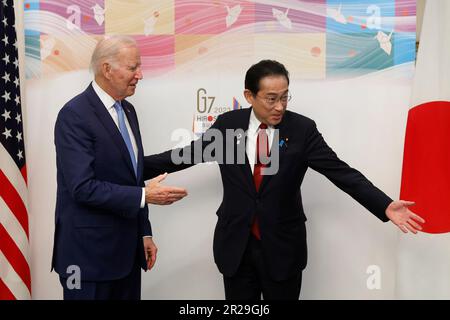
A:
[402, 217]
[156, 193]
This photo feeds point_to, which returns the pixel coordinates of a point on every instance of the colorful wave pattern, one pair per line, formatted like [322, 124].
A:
[315, 39]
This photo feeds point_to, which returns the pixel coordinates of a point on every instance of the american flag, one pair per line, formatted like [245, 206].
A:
[15, 280]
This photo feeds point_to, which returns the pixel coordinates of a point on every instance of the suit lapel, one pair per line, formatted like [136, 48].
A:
[242, 123]
[247, 170]
[132, 120]
[283, 134]
[110, 126]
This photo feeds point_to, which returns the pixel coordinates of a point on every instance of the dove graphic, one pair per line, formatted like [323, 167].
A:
[99, 14]
[384, 41]
[149, 24]
[337, 15]
[47, 47]
[233, 15]
[282, 18]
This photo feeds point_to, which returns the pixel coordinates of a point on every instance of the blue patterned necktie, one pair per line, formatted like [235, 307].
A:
[125, 134]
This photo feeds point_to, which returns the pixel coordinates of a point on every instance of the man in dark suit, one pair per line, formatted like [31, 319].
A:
[260, 237]
[103, 236]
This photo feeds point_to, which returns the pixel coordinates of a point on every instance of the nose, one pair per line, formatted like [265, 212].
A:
[139, 75]
[279, 106]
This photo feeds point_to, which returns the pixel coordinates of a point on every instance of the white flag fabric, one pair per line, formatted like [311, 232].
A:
[423, 270]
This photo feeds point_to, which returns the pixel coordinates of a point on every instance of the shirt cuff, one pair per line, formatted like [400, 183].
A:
[143, 198]
[147, 237]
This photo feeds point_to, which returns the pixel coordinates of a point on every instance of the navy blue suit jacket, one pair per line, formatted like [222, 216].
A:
[99, 224]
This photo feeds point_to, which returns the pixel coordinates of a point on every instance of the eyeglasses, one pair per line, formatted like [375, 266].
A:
[272, 100]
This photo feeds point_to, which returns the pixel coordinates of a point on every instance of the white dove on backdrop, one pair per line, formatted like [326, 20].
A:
[337, 15]
[282, 18]
[149, 25]
[99, 14]
[233, 15]
[384, 41]
[47, 47]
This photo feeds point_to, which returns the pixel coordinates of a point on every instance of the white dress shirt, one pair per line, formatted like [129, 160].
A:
[252, 136]
[108, 102]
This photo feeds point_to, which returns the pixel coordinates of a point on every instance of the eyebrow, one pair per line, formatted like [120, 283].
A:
[275, 94]
[134, 65]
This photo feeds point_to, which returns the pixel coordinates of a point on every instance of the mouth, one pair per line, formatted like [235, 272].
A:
[277, 117]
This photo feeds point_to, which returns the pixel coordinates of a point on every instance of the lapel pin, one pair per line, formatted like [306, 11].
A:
[284, 142]
[239, 136]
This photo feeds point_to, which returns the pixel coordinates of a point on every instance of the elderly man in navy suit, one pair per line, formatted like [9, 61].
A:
[101, 222]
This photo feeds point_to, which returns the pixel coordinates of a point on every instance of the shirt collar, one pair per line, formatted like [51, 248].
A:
[254, 123]
[105, 98]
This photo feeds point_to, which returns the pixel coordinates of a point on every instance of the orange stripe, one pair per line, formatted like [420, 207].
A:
[5, 293]
[15, 257]
[14, 201]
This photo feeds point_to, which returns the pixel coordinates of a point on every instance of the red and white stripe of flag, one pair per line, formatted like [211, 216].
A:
[15, 279]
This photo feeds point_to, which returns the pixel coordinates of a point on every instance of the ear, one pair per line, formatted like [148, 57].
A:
[106, 70]
[249, 96]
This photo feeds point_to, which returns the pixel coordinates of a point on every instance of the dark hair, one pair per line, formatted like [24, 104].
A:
[263, 69]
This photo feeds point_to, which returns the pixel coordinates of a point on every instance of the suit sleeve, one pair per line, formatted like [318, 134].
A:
[324, 160]
[144, 226]
[75, 156]
[180, 158]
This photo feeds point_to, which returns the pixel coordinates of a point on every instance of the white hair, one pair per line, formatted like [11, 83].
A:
[107, 50]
